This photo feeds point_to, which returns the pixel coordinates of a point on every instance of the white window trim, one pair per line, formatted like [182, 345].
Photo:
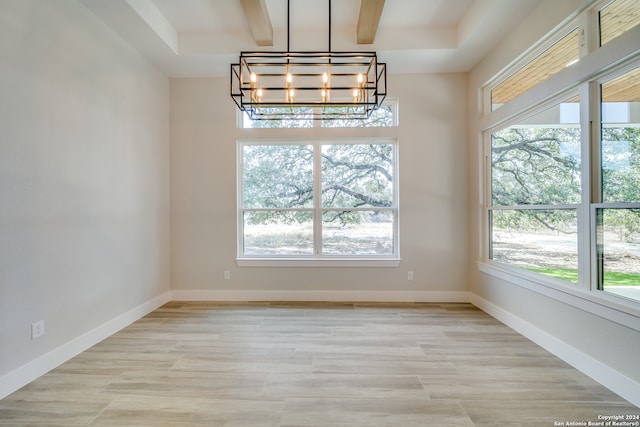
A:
[600, 303]
[319, 260]
[581, 214]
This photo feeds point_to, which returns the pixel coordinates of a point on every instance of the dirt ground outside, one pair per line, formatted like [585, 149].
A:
[557, 250]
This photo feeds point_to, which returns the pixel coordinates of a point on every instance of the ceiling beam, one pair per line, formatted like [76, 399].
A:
[368, 19]
[258, 18]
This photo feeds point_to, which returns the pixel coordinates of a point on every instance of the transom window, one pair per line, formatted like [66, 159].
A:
[618, 17]
[563, 53]
[318, 200]
[561, 49]
[384, 116]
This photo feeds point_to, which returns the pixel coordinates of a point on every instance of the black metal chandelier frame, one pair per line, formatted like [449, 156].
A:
[315, 85]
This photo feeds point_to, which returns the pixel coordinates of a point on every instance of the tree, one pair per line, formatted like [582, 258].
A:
[283, 185]
[621, 164]
[353, 175]
[281, 177]
[535, 166]
[621, 179]
[541, 166]
[380, 117]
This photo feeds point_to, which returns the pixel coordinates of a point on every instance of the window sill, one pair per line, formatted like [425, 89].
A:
[608, 306]
[318, 262]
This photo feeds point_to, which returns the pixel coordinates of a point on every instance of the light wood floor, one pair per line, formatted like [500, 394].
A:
[284, 364]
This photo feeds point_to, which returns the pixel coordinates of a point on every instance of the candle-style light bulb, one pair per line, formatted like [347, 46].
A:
[289, 78]
[253, 78]
[325, 77]
[360, 79]
[259, 95]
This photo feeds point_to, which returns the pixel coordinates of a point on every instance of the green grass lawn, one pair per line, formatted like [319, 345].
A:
[611, 278]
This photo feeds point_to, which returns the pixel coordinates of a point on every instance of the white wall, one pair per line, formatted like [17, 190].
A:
[605, 349]
[84, 177]
[433, 198]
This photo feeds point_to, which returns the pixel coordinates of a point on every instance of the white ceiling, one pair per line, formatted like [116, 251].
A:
[200, 38]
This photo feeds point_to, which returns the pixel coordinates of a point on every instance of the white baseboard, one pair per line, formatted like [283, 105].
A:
[613, 380]
[319, 295]
[600, 372]
[23, 375]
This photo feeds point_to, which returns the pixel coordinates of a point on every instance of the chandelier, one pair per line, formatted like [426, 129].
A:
[308, 85]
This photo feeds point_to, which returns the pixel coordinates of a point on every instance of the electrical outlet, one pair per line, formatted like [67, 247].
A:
[37, 329]
[410, 275]
[227, 275]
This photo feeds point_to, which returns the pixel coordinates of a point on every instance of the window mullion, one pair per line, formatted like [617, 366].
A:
[240, 198]
[595, 129]
[585, 271]
[595, 181]
[486, 252]
[317, 197]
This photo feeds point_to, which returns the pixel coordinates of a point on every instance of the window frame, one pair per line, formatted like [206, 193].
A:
[585, 19]
[597, 10]
[317, 259]
[528, 57]
[612, 59]
[598, 202]
[578, 207]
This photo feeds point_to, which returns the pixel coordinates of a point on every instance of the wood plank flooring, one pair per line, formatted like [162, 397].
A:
[313, 364]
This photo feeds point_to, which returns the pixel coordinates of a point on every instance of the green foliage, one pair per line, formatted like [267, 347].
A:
[300, 118]
[278, 218]
[540, 166]
[614, 278]
[611, 278]
[277, 176]
[621, 179]
[536, 163]
[566, 274]
[281, 177]
[535, 166]
[621, 164]
[357, 217]
[381, 117]
[357, 175]
[624, 222]
[557, 220]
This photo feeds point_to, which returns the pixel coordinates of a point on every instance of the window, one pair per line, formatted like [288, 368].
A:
[318, 200]
[300, 121]
[535, 192]
[618, 17]
[563, 172]
[384, 116]
[618, 216]
[561, 50]
[563, 53]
